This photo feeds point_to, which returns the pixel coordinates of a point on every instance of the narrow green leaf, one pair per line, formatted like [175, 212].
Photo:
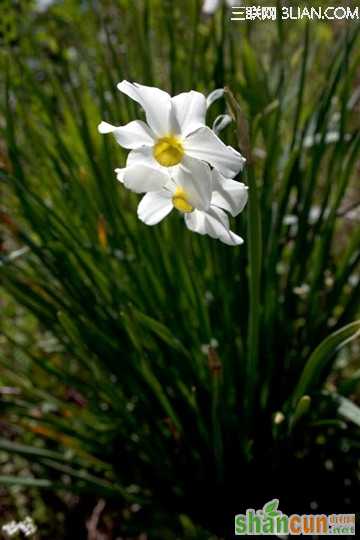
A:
[321, 357]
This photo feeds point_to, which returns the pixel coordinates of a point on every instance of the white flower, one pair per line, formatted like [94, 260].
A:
[175, 130]
[210, 6]
[170, 161]
[198, 192]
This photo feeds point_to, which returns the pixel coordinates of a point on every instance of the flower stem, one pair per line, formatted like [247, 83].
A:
[254, 254]
[254, 243]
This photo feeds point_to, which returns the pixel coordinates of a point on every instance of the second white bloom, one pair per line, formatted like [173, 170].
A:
[202, 195]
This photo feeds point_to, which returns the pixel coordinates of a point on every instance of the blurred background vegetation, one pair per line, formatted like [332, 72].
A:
[153, 383]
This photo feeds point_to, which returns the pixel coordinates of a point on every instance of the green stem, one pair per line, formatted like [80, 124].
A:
[254, 243]
[216, 425]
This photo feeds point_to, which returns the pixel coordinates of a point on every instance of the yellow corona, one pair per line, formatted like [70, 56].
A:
[169, 151]
[180, 201]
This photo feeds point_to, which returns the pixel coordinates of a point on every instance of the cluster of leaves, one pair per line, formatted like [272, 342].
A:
[177, 370]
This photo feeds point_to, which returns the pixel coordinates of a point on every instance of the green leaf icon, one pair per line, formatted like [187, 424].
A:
[271, 508]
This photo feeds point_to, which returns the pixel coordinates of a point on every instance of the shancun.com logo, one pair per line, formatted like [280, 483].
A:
[270, 521]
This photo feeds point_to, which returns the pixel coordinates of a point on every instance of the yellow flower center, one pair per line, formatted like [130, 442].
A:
[180, 201]
[168, 151]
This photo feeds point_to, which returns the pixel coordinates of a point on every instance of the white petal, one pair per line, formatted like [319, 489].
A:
[237, 154]
[194, 177]
[120, 174]
[214, 96]
[195, 221]
[155, 102]
[141, 178]
[154, 207]
[221, 122]
[215, 223]
[205, 145]
[104, 127]
[132, 135]
[142, 155]
[228, 194]
[210, 6]
[190, 111]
